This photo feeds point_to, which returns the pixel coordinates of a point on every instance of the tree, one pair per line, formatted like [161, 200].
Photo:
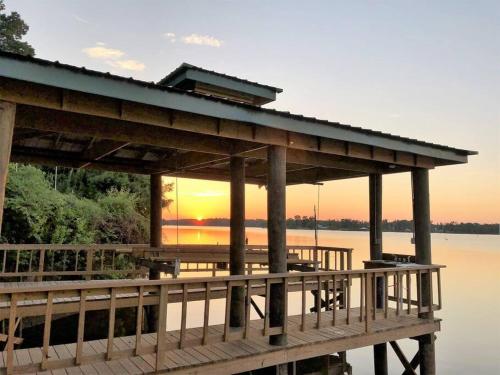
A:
[12, 30]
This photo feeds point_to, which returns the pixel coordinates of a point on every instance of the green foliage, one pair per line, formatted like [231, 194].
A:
[37, 213]
[12, 30]
[120, 221]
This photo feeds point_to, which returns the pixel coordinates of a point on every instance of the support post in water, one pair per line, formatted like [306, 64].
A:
[276, 232]
[422, 223]
[375, 191]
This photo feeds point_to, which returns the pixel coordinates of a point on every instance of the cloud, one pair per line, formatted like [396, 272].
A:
[127, 65]
[202, 40]
[100, 52]
[170, 37]
[394, 115]
[112, 57]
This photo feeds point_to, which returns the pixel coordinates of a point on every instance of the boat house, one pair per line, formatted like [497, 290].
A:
[276, 307]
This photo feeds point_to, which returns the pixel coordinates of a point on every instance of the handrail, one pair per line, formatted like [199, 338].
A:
[41, 261]
[82, 297]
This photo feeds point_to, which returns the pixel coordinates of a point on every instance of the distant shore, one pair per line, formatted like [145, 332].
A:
[308, 223]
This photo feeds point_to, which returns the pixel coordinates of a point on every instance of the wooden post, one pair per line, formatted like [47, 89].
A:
[375, 191]
[155, 240]
[422, 225]
[237, 239]
[276, 233]
[7, 117]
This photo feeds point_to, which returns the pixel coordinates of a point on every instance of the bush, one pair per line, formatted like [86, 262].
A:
[36, 213]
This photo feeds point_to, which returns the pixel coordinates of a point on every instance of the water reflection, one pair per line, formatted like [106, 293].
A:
[468, 342]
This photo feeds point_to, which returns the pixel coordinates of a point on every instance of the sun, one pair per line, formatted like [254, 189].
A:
[199, 217]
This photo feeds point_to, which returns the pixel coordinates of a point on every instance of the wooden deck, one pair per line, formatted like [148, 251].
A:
[218, 357]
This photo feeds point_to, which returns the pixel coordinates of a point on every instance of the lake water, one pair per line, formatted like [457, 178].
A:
[469, 341]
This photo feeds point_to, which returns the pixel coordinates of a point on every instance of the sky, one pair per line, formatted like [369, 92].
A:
[426, 70]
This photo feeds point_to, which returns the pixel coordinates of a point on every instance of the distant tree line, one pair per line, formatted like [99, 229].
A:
[308, 222]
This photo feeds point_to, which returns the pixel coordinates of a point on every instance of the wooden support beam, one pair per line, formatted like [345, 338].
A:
[422, 225]
[125, 131]
[415, 361]
[237, 239]
[408, 368]
[313, 175]
[276, 232]
[101, 149]
[7, 120]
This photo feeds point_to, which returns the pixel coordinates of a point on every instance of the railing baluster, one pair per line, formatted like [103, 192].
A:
[111, 325]
[408, 291]
[439, 288]
[227, 317]
[431, 294]
[374, 296]
[46, 330]
[348, 299]
[138, 323]
[334, 307]
[248, 303]
[327, 294]
[419, 292]
[41, 264]
[81, 327]
[89, 263]
[18, 253]
[31, 260]
[266, 314]
[4, 260]
[303, 315]
[386, 295]
[12, 333]
[77, 255]
[182, 337]
[318, 303]
[285, 308]
[162, 326]
[397, 286]
[369, 299]
[206, 314]
[361, 296]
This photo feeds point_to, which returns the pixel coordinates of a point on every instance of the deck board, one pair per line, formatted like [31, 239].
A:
[223, 357]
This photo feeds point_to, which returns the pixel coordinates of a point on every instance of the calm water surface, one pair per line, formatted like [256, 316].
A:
[469, 342]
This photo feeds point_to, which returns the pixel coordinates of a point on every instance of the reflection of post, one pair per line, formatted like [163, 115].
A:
[422, 222]
[375, 191]
[237, 239]
[7, 117]
[155, 239]
[276, 231]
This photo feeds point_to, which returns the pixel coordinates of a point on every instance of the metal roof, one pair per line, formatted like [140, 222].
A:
[185, 66]
[53, 73]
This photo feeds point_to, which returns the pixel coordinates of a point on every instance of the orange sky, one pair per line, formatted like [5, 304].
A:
[454, 197]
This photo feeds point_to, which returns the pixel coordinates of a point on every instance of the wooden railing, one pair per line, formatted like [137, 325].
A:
[48, 261]
[404, 296]
[319, 258]
[39, 262]
[327, 258]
